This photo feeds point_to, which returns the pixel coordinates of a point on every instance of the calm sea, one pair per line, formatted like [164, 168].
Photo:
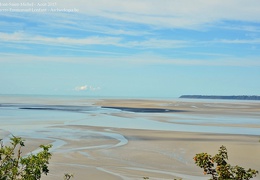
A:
[33, 116]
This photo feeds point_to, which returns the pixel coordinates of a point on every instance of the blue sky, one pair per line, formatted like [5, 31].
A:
[137, 48]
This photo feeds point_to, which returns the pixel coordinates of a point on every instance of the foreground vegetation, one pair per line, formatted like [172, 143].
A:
[223, 170]
[13, 166]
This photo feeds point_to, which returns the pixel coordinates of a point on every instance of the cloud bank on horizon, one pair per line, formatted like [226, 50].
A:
[220, 35]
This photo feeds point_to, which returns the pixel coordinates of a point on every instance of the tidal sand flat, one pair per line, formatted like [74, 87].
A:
[132, 139]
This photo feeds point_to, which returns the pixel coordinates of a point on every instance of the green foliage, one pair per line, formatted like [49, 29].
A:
[223, 170]
[15, 167]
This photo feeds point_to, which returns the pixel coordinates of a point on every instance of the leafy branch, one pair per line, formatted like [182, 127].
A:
[223, 170]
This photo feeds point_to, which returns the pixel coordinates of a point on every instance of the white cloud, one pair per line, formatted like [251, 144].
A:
[141, 59]
[187, 14]
[20, 37]
[169, 13]
[157, 43]
[81, 88]
[35, 39]
[239, 41]
[86, 88]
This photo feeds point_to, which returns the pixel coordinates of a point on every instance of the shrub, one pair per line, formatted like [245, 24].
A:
[223, 170]
[15, 167]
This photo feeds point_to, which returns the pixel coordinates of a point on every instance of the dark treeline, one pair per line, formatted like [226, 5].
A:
[244, 97]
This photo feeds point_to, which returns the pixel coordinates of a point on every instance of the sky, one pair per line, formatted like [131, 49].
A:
[137, 48]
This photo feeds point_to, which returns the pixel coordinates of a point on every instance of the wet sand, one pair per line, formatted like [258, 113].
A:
[91, 152]
[152, 153]
[156, 154]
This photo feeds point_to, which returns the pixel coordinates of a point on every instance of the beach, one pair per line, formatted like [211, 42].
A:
[133, 138]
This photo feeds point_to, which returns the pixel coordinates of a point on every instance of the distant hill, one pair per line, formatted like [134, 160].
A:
[221, 97]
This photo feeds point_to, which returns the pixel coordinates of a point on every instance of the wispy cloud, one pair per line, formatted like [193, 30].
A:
[170, 13]
[186, 14]
[135, 60]
[20, 37]
[102, 24]
[239, 41]
[158, 43]
[239, 27]
[35, 39]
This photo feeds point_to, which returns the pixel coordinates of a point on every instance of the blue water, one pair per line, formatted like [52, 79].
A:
[22, 114]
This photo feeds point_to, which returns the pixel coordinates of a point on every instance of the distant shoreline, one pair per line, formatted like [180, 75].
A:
[243, 97]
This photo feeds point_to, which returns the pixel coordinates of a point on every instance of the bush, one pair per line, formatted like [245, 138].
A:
[15, 167]
[223, 170]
